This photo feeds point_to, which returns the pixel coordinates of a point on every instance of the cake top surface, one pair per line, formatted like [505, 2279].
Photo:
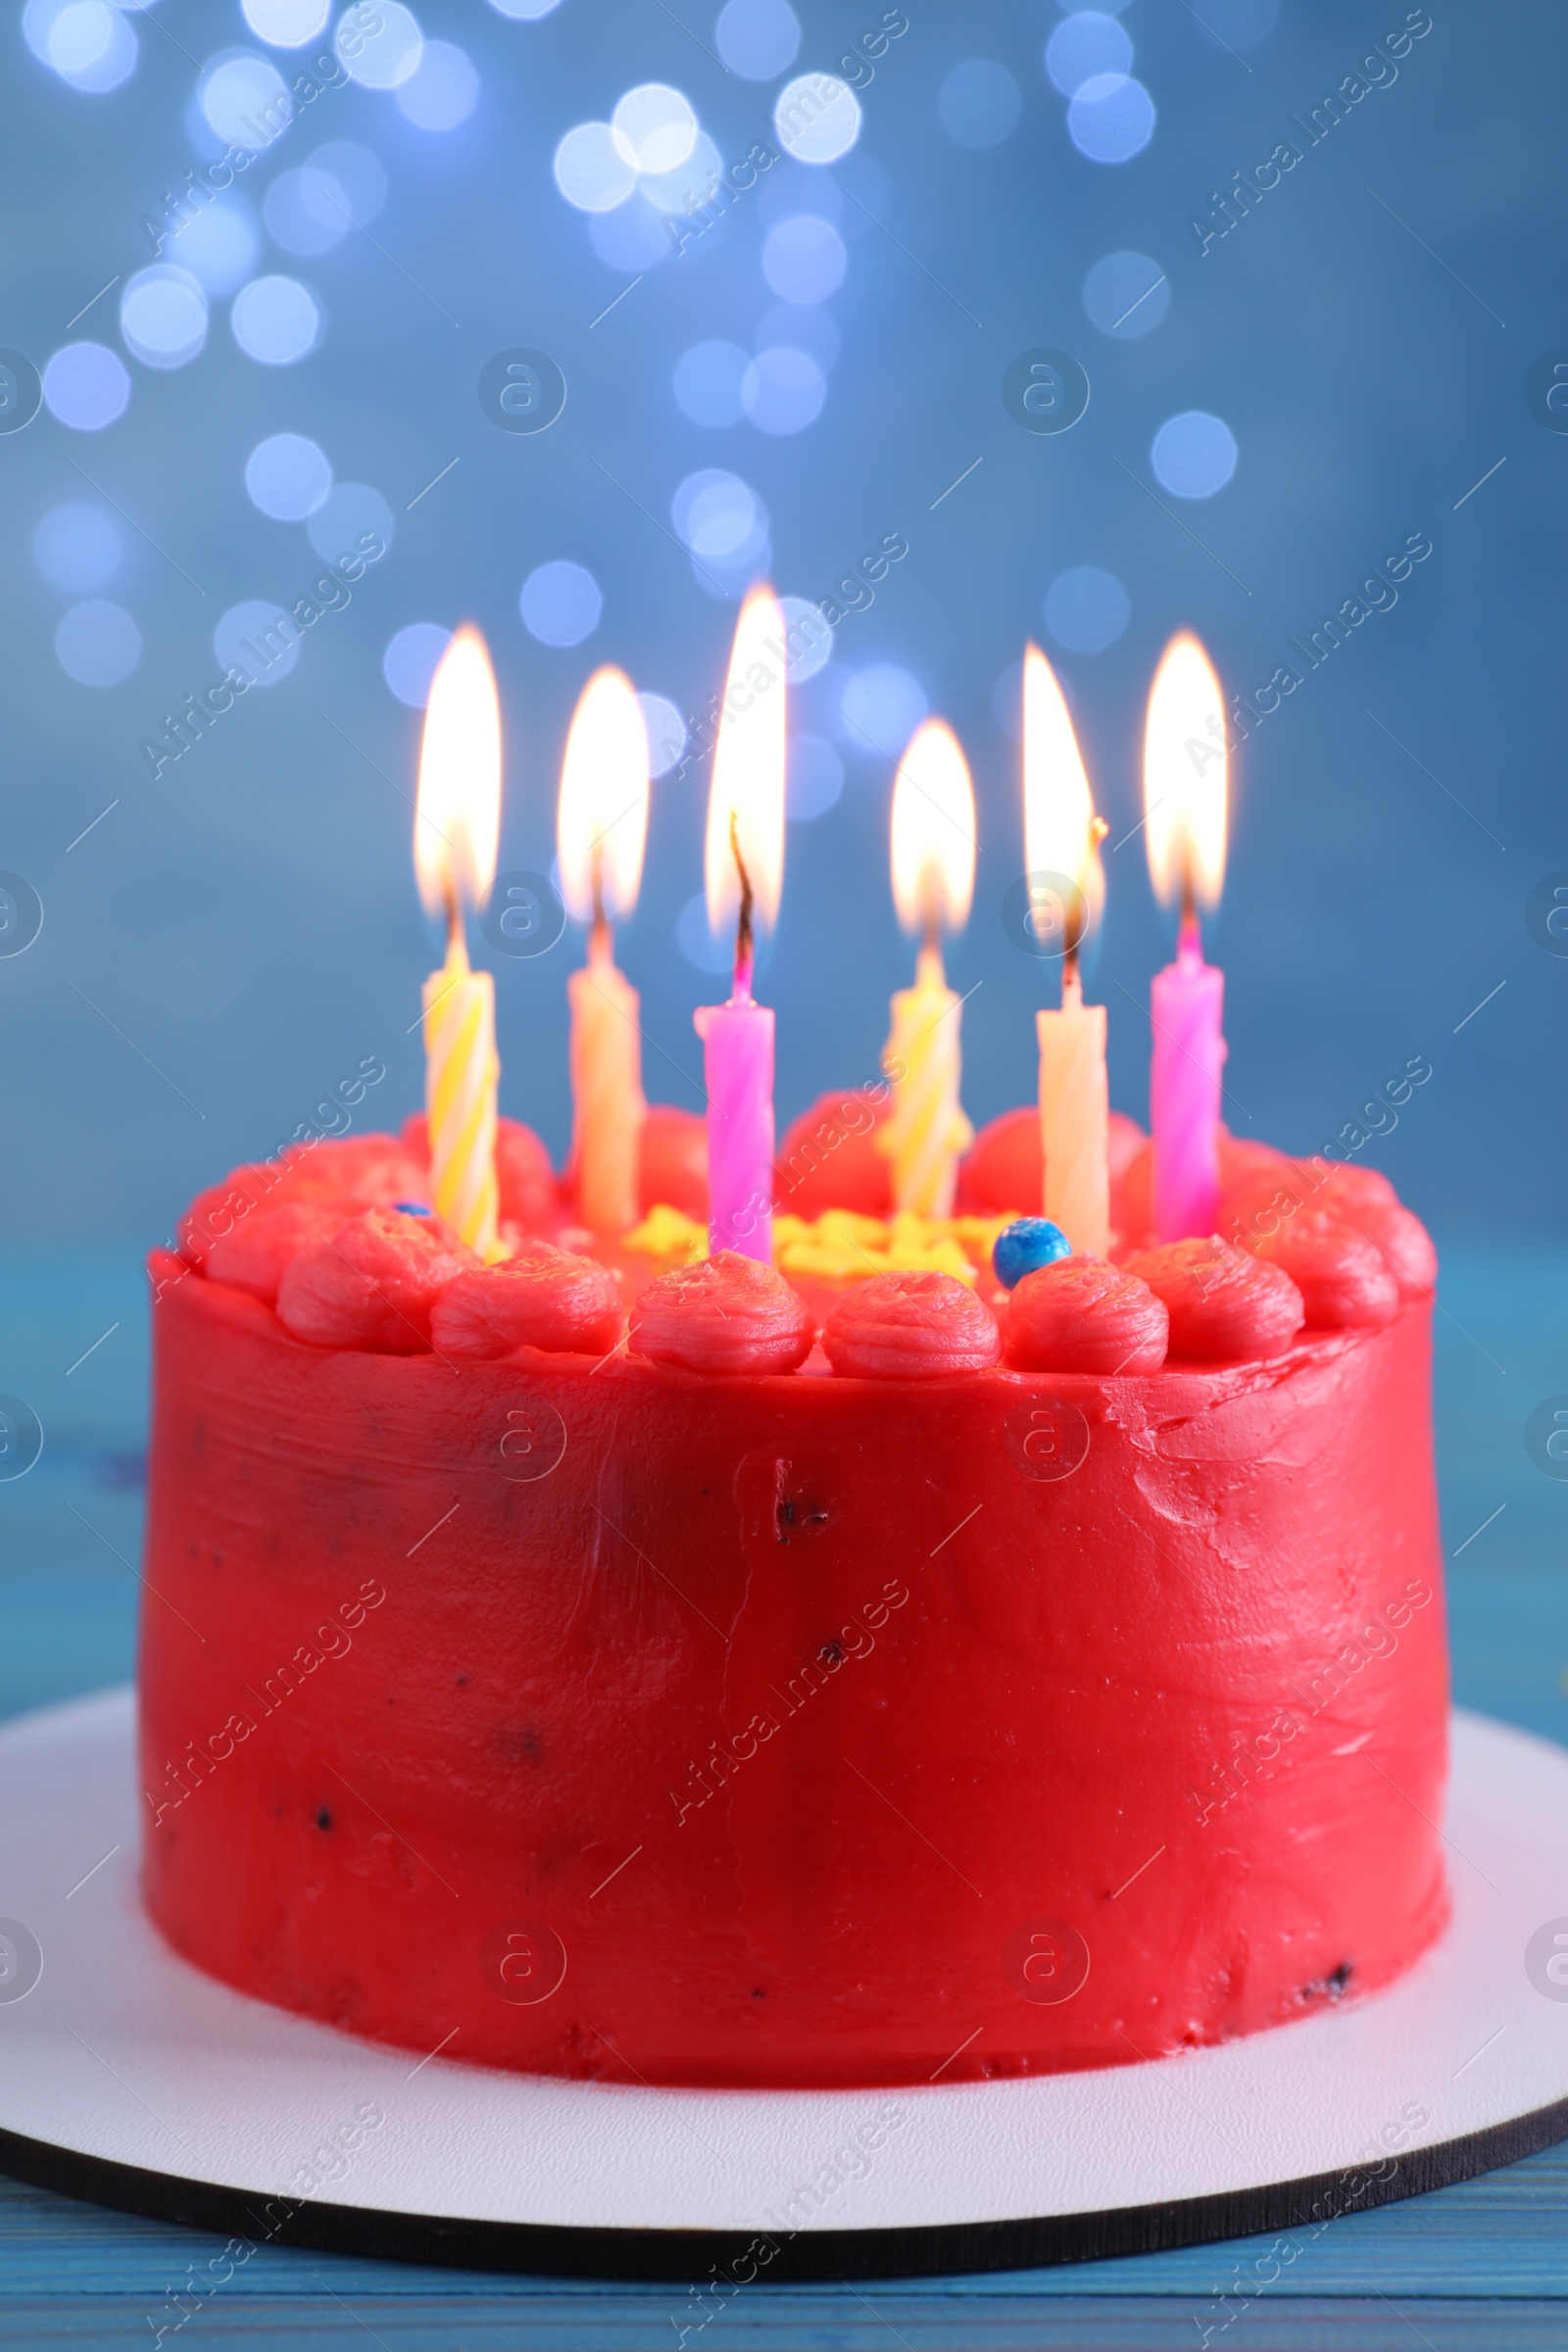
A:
[336, 1240]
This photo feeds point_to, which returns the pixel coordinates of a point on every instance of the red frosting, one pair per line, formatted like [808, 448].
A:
[1224, 1307]
[786, 1723]
[728, 1314]
[1404, 1240]
[1343, 1278]
[673, 1160]
[256, 1253]
[1081, 1314]
[373, 1285]
[910, 1326]
[829, 1158]
[540, 1298]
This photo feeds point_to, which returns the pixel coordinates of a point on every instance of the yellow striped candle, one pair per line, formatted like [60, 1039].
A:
[926, 1131]
[926, 1134]
[461, 1076]
[457, 830]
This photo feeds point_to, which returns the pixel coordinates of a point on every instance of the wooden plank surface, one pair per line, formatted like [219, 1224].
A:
[1482, 2263]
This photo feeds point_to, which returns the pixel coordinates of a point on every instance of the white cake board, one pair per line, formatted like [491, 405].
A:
[129, 2077]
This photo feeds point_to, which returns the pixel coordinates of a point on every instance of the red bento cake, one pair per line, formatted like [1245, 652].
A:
[734, 1683]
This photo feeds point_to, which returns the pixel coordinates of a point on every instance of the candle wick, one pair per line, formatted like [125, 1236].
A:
[596, 885]
[453, 918]
[744, 946]
[1071, 985]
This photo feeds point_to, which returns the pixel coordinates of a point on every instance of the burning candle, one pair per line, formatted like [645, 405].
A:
[745, 874]
[600, 828]
[1184, 789]
[932, 844]
[457, 828]
[1067, 888]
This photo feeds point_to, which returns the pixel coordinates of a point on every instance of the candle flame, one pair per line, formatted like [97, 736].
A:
[602, 815]
[457, 822]
[1062, 834]
[1186, 777]
[746, 801]
[933, 832]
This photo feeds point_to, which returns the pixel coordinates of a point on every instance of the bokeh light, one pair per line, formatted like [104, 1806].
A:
[666, 732]
[561, 604]
[289, 477]
[690, 183]
[1084, 44]
[590, 170]
[87, 42]
[817, 118]
[526, 12]
[344, 176]
[286, 24]
[1126, 295]
[757, 39]
[97, 642]
[1111, 119]
[275, 320]
[881, 708]
[220, 245]
[1237, 23]
[76, 546]
[634, 236]
[654, 128]
[1087, 610]
[719, 515]
[410, 662]
[296, 226]
[694, 937]
[86, 386]
[808, 638]
[379, 43]
[803, 258]
[163, 316]
[257, 638]
[814, 778]
[443, 91]
[979, 103]
[350, 513]
[707, 382]
[245, 100]
[783, 390]
[1194, 455]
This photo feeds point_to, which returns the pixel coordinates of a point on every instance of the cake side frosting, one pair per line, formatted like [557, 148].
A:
[790, 1728]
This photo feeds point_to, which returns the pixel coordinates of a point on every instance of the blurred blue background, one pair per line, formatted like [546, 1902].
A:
[830, 344]
[787, 378]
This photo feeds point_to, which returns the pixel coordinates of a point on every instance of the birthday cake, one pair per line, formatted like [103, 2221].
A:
[616, 1662]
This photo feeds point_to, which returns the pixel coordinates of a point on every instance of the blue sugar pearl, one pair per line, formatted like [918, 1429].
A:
[1025, 1244]
[412, 1209]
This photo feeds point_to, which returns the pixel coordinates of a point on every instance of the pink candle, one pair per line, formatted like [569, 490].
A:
[1185, 788]
[744, 864]
[1186, 1004]
[738, 1071]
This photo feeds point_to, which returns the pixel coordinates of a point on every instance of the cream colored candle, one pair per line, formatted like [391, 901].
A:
[1061, 844]
[1074, 1118]
[600, 830]
[608, 1108]
[456, 833]
[932, 846]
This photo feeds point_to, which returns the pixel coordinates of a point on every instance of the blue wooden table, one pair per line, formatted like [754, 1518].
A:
[1479, 2264]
